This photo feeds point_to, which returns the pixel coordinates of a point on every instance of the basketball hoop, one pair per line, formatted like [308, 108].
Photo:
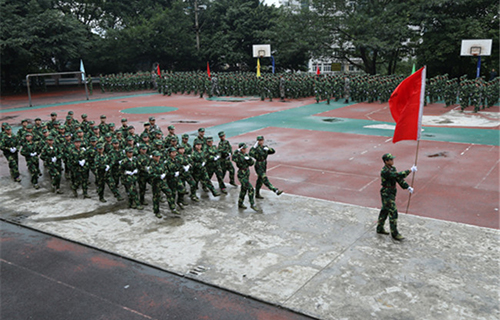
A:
[475, 51]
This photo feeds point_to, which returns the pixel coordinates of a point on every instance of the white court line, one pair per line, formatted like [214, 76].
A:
[279, 165]
[466, 149]
[320, 170]
[486, 176]
[369, 183]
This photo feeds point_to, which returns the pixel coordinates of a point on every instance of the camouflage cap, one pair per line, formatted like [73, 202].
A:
[158, 142]
[156, 153]
[197, 142]
[108, 135]
[68, 117]
[56, 123]
[70, 112]
[79, 130]
[387, 156]
[143, 147]
[147, 124]
[78, 140]
[260, 138]
[112, 124]
[129, 150]
[95, 127]
[172, 149]
[28, 134]
[130, 138]
[171, 128]
[100, 146]
[115, 141]
[201, 130]
[185, 135]
[24, 120]
[152, 119]
[130, 127]
[45, 130]
[67, 134]
[93, 139]
[221, 134]
[53, 114]
[7, 127]
[103, 116]
[38, 119]
[210, 139]
[242, 145]
[29, 126]
[144, 135]
[124, 120]
[84, 115]
[180, 147]
[49, 138]
[91, 122]
[62, 127]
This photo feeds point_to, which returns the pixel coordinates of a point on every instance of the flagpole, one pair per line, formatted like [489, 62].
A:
[413, 176]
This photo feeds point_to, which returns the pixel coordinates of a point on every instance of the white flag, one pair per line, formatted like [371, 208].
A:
[82, 69]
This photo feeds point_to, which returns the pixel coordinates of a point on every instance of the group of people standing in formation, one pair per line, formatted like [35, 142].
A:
[121, 156]
[477, 93]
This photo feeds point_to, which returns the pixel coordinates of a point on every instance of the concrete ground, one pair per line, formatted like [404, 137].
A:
[317, 257]
[314, 249]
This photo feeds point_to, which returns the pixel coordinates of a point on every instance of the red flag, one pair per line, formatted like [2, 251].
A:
[317, 70]
[208, 70]
[407, 105]
[158, 69]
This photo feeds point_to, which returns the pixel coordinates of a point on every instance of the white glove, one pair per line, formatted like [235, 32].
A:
[107, 168]
[247, 158]
[203, 164]
[410, 189]
[120, 162]
[216, 158]
[256, 144]
[228, 157]
[147, 169]
[33, 154]
[266, 148]
[176, 174]
[83, 148]
[414, 168]
[186, 168]
[54, 159]
[162, 176]
[134, 172]
[13, 149]
[82, 162]
[128, 172]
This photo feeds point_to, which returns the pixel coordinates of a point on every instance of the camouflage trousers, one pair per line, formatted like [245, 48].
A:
[131, 190]
[79, 177]
[262, 179]
[159, 188]
[177, 186]
[215, 167]
[202, 177]
[246, 186]
[186, 177]
[227, 166]
[13, 160]
[54, 173]
[388, 209]
[142, 183]
[101, 179]
[34, 169]
[115, 173]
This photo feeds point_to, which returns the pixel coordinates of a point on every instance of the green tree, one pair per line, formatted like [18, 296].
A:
[37, 38]
[445, 23]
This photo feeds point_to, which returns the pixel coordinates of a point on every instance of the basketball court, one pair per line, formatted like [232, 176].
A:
[314, 249]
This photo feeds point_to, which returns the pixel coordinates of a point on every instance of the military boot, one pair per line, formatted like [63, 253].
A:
[75, 194]
[398, 237]
[102, 200]
[241, 206]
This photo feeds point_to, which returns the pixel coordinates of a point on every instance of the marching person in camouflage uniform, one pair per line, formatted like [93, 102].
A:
[79, 169]
[129, 170]
[173, 169]
[243, 162]
[30, 152]
[260, 152]
[226, 151]
[199, 169]
[213, 164]
[51, 155]
[143, 161]
[157, 176]
[185, 173]
[390, 176]
[102, 167]
[188, 148]
[9, 145]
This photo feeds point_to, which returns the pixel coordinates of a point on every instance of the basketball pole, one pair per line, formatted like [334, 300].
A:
[478, 66]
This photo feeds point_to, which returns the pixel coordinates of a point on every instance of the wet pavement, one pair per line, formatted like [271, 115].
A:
[315, 257]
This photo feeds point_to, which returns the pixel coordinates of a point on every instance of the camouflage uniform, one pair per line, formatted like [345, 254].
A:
[143, 161]
[102, 167]
[79, 170]
[160, 186]
[200, 171]
[30, 151]
[52, 155]
[129, 170]
[243, 162]
[226, 151]
[213, 166]
[390, 176]
[260, 154]
[9, 145]
[173, 169]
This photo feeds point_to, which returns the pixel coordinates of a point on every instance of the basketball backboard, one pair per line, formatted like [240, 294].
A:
[261, 50]
[476, 47]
